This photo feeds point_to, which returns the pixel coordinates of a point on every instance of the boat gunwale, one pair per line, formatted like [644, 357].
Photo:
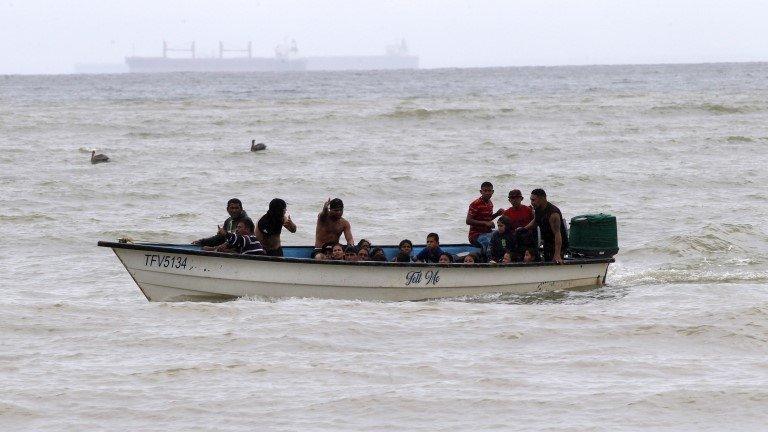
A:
[154, 247]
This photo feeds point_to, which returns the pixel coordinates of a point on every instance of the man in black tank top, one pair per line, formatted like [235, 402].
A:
[549, 219]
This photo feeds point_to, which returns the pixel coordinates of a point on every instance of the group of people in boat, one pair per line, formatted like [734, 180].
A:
[503, 236]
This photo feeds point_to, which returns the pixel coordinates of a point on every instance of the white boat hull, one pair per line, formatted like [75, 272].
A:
[165, 274]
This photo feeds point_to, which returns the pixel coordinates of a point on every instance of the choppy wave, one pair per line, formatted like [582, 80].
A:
[738, 138]
[712, 108]
[29, 217]
[714, 239]
[672, 275]
[425, 113]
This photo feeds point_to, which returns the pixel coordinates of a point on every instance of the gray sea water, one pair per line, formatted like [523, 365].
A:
[677, 340]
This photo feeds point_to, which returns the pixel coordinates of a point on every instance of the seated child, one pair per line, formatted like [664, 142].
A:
[362, 255]
[377, 254]
[524, 239]
[403, 257]
[337, 252]
[406, 247]
[470, 259]
[364, 244]
[530, 255]
[350, 253]
[326, 250]
[445, 258]
[501, 240]
[431, 253]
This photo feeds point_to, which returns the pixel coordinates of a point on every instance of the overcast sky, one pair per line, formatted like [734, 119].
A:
[51, 36]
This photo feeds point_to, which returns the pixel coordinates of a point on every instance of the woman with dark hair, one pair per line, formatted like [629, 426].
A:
[502, 241]
[271, 224]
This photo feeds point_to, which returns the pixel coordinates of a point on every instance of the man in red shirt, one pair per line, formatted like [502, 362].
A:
[480, 217]
[519, 214]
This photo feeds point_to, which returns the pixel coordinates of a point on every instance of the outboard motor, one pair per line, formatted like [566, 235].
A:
[593, 236]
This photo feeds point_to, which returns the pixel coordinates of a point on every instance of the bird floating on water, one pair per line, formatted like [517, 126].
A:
[98, 158]
[257, 147]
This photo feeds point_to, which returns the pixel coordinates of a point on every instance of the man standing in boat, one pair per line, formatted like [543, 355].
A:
[236, 214]
[480, 217]
[549, 219]
[330, 224]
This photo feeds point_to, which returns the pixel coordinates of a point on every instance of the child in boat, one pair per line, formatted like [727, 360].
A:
[337, 252]
[377, 254]
[362, 255]
[364, 244]
[350, 253]
[406, 249]
[431, 253]
[501, 241]
[403, 257]
[445, 258]
[470, 259]
[530, 255]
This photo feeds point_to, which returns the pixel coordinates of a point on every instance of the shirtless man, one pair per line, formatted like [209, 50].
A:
[330, 224]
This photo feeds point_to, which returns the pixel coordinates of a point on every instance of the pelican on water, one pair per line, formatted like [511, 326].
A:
[98, 158]
[257, 147]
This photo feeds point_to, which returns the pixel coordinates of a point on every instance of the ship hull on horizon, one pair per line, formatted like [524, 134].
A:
[264, 64]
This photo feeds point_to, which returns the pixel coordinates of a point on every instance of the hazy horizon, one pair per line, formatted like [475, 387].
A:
[443, 34]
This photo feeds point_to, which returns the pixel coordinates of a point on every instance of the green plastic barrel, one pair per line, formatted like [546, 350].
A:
[593, 235]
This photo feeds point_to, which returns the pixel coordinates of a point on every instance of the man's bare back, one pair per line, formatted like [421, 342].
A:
[330, 224]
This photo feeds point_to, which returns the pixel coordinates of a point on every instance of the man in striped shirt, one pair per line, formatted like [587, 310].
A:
[241, 241]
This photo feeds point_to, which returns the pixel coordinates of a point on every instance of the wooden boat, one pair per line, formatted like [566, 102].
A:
[174, 272]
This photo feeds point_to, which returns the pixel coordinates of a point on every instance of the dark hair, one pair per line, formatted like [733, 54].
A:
[360, 243]
[350, 249]
[532, 251]
[486, 184]
[336, 204]
[235, 201]
[539, 193]
[450, 257]
[405, 241]
[248, 223]
[473, 255]
[329, 245]
[373, 253]
[505, 220]
[272, 221]
[403, 257]
[437, 237]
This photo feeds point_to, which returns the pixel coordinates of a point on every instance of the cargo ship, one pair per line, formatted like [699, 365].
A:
[286, 59]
